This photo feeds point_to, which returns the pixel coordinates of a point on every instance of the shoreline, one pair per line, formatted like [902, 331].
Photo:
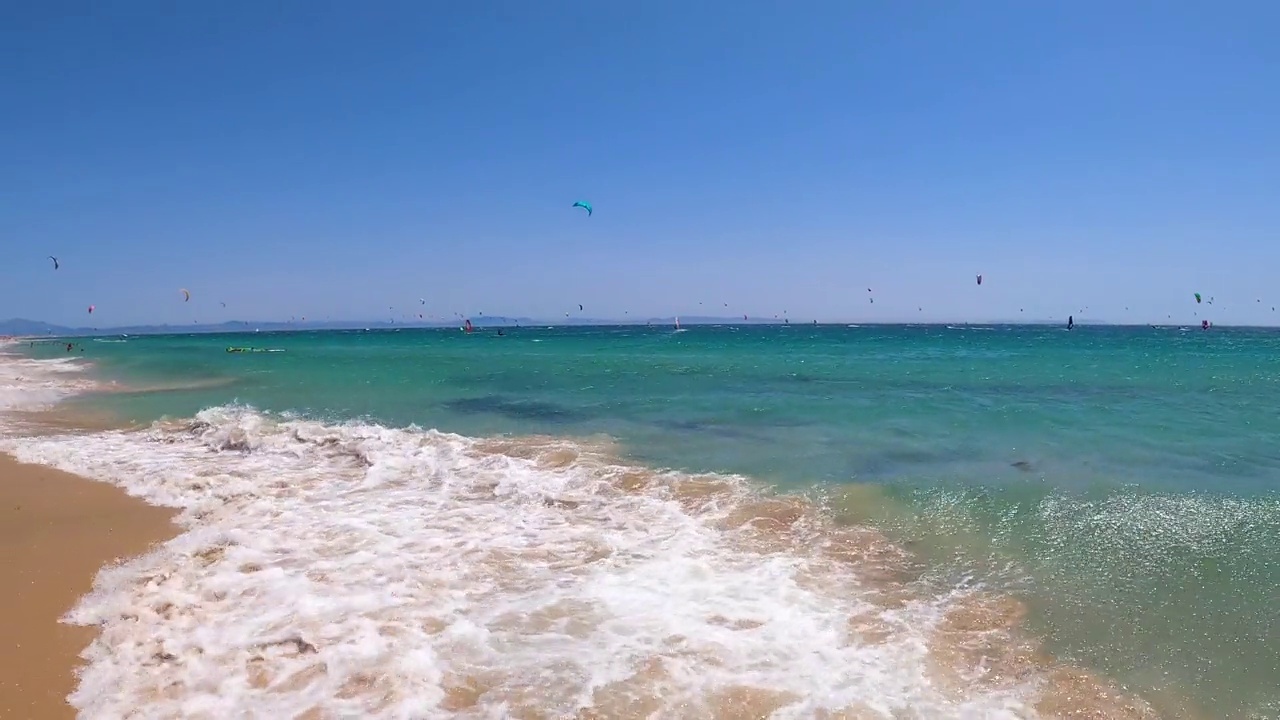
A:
[58, 531]
[105, 525]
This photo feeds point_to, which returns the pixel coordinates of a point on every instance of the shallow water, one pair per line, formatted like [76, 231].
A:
[983, 514]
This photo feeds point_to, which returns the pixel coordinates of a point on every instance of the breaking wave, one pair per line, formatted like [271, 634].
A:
[351, 569]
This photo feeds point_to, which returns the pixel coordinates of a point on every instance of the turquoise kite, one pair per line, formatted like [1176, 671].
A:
[584, 205]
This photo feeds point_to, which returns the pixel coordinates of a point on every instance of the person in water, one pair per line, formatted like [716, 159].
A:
[1071, 322]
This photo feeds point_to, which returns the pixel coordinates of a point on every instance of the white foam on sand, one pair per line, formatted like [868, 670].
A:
[354, 570]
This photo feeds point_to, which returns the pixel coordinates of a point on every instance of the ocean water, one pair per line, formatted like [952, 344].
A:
[761, 521]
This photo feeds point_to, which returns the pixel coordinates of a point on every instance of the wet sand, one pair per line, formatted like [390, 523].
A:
[56, 531]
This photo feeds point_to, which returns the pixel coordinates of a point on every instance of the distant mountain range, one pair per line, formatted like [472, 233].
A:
[19, 326]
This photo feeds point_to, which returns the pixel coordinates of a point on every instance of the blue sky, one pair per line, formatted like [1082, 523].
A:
[336, 159]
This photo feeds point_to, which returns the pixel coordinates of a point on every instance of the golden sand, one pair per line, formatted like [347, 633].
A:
[56, 531]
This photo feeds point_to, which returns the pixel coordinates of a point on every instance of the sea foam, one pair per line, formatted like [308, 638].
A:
[27, 384]
[338, 570]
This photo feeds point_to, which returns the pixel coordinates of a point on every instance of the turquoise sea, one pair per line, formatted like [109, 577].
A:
[1045, 513]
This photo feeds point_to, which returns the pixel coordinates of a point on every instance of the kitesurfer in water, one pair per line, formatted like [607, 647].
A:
[1071, 322]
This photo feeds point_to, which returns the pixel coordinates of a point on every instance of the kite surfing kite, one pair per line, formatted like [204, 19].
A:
[91, 309]
[979, 279]
[186, 294]
[1197, 298]
[584, 205]
[55, 262]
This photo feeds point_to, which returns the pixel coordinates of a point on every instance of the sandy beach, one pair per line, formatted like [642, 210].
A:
[57, 531]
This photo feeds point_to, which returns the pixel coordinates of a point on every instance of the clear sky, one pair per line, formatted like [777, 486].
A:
[300, 158]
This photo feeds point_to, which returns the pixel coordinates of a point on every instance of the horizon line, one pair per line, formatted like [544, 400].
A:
[247, 327]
